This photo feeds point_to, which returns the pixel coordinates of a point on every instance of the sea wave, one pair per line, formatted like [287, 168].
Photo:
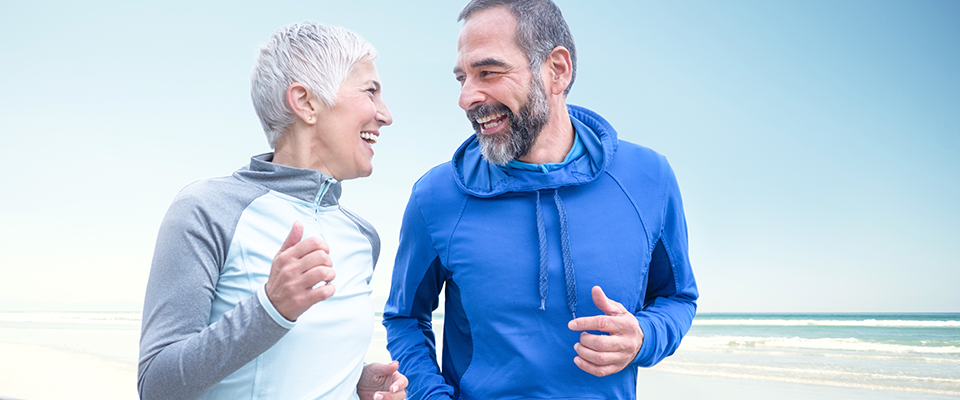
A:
[830, 372]
[892, 323]
[99, 318]
[838, 344]
[923, 358]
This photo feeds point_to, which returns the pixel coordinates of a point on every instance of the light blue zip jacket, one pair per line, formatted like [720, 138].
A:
[518, 252]
[209, 331]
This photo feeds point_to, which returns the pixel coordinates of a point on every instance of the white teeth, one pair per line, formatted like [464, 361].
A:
[489, 118]
[491, 125]
[369, 137]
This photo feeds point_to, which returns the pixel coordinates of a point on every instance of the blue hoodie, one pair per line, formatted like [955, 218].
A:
[518, 252]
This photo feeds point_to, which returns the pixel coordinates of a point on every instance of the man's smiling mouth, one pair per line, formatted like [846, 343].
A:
[492, 121]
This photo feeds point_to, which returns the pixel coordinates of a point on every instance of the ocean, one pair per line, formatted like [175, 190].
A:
[906, 353]
[886, 356]
[112, 336]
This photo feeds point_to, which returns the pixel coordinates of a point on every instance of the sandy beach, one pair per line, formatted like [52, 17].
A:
[30, 372]
[656, 384]
[94, 356]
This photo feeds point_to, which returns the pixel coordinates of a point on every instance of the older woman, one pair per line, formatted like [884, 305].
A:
[259, 286]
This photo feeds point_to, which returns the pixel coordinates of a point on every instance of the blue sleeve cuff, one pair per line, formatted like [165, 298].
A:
[648, 346]
[271, 310]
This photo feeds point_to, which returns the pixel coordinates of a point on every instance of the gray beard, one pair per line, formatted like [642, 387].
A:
[525, 126]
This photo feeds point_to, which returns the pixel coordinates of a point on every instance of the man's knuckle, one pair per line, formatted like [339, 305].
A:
[602, 358]
[602, 342]
[602, 323]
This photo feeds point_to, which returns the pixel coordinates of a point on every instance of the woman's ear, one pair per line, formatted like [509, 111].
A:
[559, 70]
[302, 102]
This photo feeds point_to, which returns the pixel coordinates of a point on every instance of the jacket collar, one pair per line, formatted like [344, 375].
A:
[304, 184]
[477, 177]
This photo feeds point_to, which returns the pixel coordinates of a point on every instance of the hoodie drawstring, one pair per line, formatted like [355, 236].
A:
[568, 273]
[542, 235]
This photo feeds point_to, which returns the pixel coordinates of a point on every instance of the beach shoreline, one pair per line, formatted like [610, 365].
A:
[658, 383]
[33, 372]
[93, 355]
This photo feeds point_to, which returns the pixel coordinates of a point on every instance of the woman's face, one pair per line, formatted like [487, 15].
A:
[348, 130]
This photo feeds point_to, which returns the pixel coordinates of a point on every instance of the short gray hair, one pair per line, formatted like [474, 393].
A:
[540, 29]
[318, 56]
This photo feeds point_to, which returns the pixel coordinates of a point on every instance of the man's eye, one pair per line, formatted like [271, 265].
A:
[461, 78]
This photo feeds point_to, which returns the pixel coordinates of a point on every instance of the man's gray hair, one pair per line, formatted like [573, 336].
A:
[318, 56]
[540, 29]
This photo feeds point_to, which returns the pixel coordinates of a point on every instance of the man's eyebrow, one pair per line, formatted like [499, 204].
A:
[376, 84]
[489, 62]
[486, 62]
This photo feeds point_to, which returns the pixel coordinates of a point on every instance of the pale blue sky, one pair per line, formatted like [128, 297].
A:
[817, 143]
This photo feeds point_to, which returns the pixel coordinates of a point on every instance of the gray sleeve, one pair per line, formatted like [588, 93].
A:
[181, 356]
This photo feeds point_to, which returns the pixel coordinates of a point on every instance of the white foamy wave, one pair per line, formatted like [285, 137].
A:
[839, 344]
[924, 358]
[892, 323]
[72, 318]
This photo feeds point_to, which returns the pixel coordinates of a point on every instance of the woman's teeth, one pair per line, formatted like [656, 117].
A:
[369, 137]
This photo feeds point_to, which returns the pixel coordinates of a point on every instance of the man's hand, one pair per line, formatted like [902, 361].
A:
[382, 382]
[602, 355]
[296, 269]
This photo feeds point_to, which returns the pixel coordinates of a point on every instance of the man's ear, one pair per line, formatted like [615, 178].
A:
[302, 102]
[559, 70]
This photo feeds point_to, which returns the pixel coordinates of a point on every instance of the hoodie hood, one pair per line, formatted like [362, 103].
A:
[479, 178]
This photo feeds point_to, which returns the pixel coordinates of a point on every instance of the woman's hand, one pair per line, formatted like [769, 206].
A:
[382, 382]
[297, 268]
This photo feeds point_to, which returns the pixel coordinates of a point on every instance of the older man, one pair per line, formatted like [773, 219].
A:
[542, 208]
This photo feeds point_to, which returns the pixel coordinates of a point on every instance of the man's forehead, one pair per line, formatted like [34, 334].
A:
[489, 24]
[487, 38]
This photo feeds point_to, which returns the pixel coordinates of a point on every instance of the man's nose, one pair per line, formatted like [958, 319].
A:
[470, 95]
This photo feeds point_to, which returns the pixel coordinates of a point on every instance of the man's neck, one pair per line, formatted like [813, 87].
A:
[554, 141]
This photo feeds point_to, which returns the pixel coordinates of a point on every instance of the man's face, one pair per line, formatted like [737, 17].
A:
[506, 104]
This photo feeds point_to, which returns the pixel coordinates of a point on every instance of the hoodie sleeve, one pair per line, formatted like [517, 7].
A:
[671, 293]
[418, 277]
[181, 354]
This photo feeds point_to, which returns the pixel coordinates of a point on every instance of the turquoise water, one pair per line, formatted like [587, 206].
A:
[913, 352]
